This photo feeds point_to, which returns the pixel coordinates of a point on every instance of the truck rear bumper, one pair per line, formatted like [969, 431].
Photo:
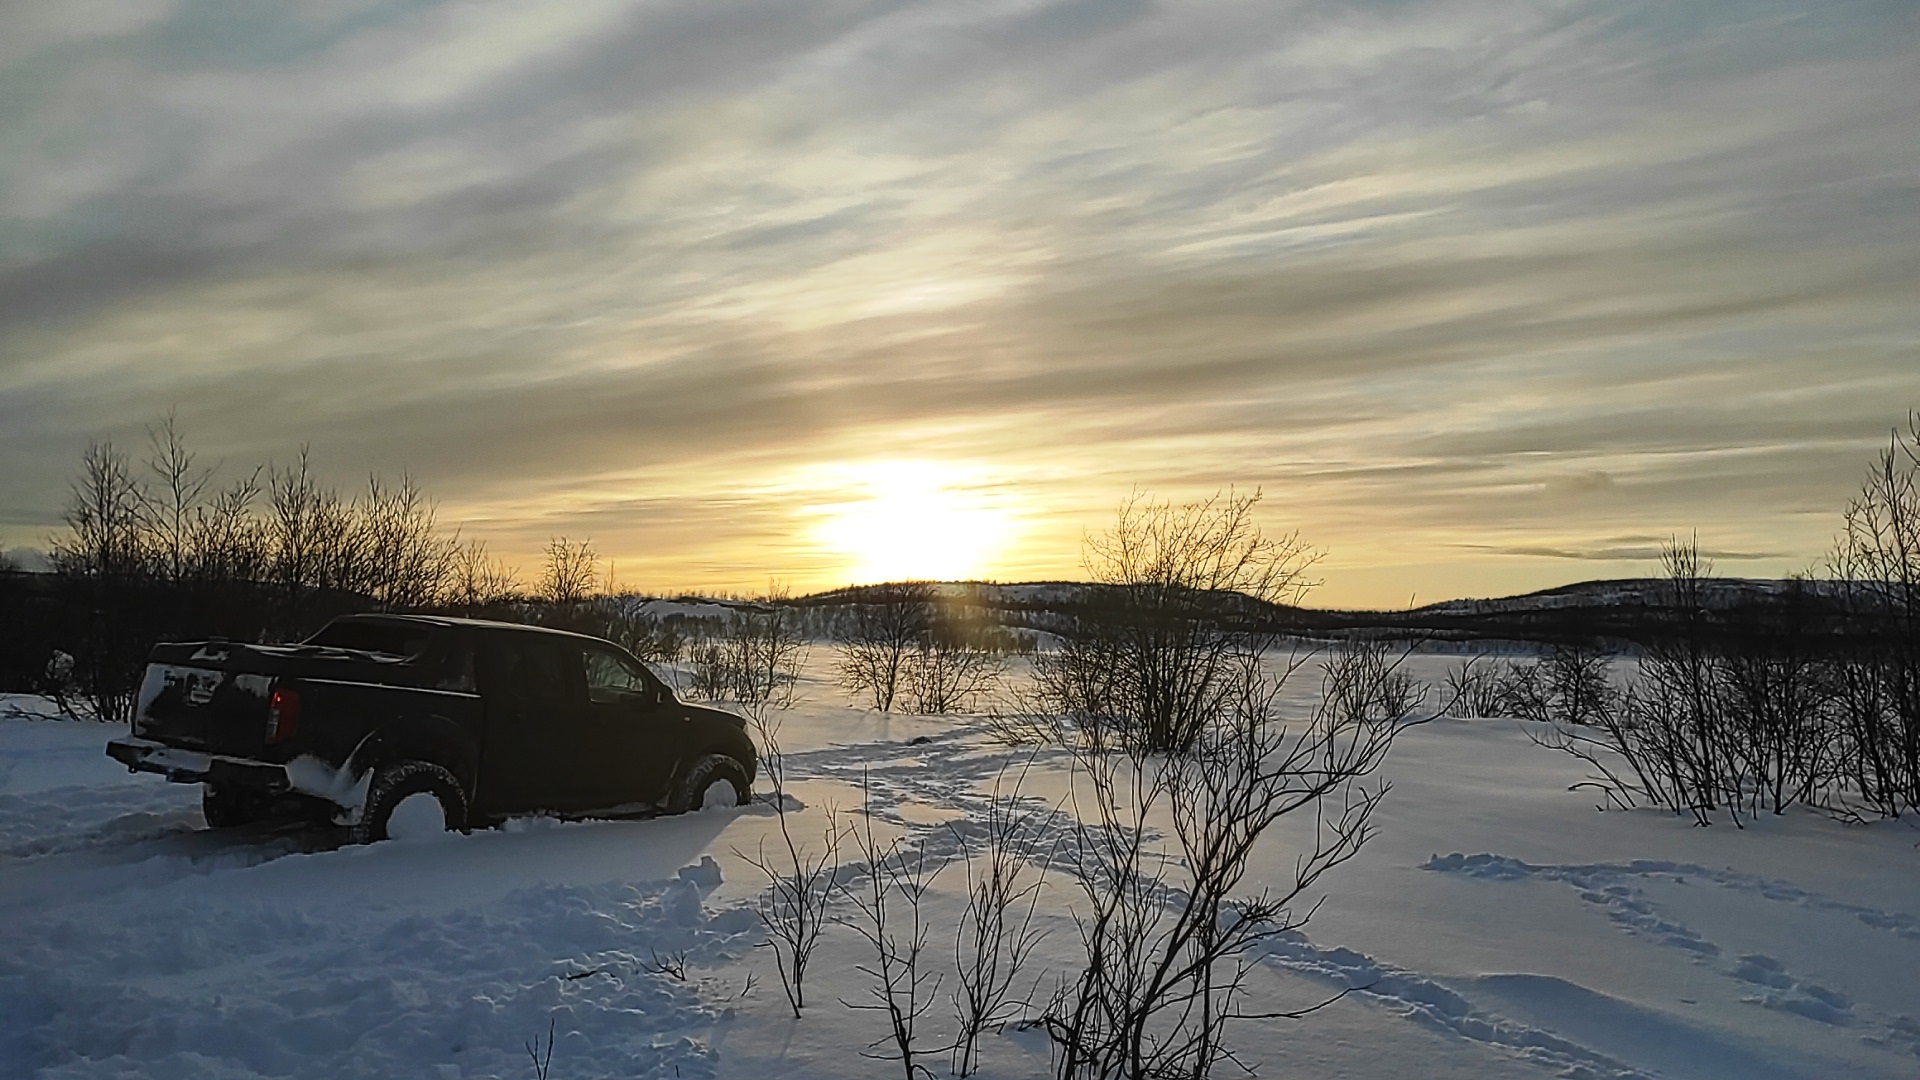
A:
[192, 767]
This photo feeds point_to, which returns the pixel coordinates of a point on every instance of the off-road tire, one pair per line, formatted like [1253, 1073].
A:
[392, 783]
[230, 808]
[690, 792]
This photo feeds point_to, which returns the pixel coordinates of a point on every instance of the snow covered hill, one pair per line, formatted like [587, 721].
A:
[1498, 927]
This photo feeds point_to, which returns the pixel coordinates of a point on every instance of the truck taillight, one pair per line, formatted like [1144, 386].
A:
[283, 714]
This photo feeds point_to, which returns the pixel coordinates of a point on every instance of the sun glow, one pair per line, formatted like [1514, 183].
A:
[912, 520]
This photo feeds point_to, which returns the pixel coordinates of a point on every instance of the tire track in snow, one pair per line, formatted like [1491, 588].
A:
[1609, 886]
[66, 819]
[964, 766]
[198, 986]
[1431, 1004]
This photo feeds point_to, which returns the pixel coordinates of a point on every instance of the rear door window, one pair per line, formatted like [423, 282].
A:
[535, 671]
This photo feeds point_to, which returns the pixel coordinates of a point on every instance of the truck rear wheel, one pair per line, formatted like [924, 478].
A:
[408, 799]
[229, 807]
[715, 780]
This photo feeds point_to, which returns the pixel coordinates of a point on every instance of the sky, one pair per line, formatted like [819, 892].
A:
[1482, 297]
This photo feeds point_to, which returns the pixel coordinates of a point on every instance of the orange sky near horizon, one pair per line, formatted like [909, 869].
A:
[1484, 297]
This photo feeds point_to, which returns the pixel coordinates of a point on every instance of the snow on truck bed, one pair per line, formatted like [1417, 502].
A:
[1497, 927]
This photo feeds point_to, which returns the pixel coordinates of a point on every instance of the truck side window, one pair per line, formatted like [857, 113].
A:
[535, 671]
[612, 678]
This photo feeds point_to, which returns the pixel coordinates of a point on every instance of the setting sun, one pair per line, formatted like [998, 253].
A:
[911, 519]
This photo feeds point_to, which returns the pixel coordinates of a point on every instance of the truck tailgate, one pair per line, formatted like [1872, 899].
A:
[201, 697]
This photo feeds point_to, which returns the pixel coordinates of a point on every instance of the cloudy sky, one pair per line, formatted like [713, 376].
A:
[1484, 296]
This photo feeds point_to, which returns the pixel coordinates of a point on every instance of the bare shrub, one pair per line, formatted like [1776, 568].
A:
[1579, 686]
[997, 932]
[753, 660]
[879, 636]
[1734, 722]
[1169, 937]
[1877, 564]
[653, 640]
[709, 674]
[950, 677]
[1473, 689]
[1780, 708]
[1525, 692]
[673, 965]
[1363, 682]
[1182, 604]
[760, 662]
[890, 917]
[800, 886]
[541, 1056]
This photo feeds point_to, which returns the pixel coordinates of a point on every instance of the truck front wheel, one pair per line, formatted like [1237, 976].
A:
[713, 781]
[409, 799]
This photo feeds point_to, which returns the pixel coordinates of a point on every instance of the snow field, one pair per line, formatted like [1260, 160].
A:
[1496, 927]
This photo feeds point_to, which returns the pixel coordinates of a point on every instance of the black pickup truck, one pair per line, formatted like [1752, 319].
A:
[394, 723]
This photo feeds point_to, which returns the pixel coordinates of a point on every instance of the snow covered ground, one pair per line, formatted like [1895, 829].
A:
[1499, 926]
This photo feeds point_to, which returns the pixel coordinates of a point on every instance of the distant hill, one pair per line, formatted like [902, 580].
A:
[1630, 610]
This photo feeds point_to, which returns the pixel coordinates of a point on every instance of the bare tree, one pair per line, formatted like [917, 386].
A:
[1680, 668]
[303, 528]
[709, 670]
[161, 553]
[1662, 742]
[1525, 692]
[107, 535]
[878, 638]
[478, 580]
[570, 572]
[230, 544]
[107, 557]
[403, 561]
[175, 504]
[752, 660]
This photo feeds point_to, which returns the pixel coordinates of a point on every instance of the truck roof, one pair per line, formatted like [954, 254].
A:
[453, 620]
